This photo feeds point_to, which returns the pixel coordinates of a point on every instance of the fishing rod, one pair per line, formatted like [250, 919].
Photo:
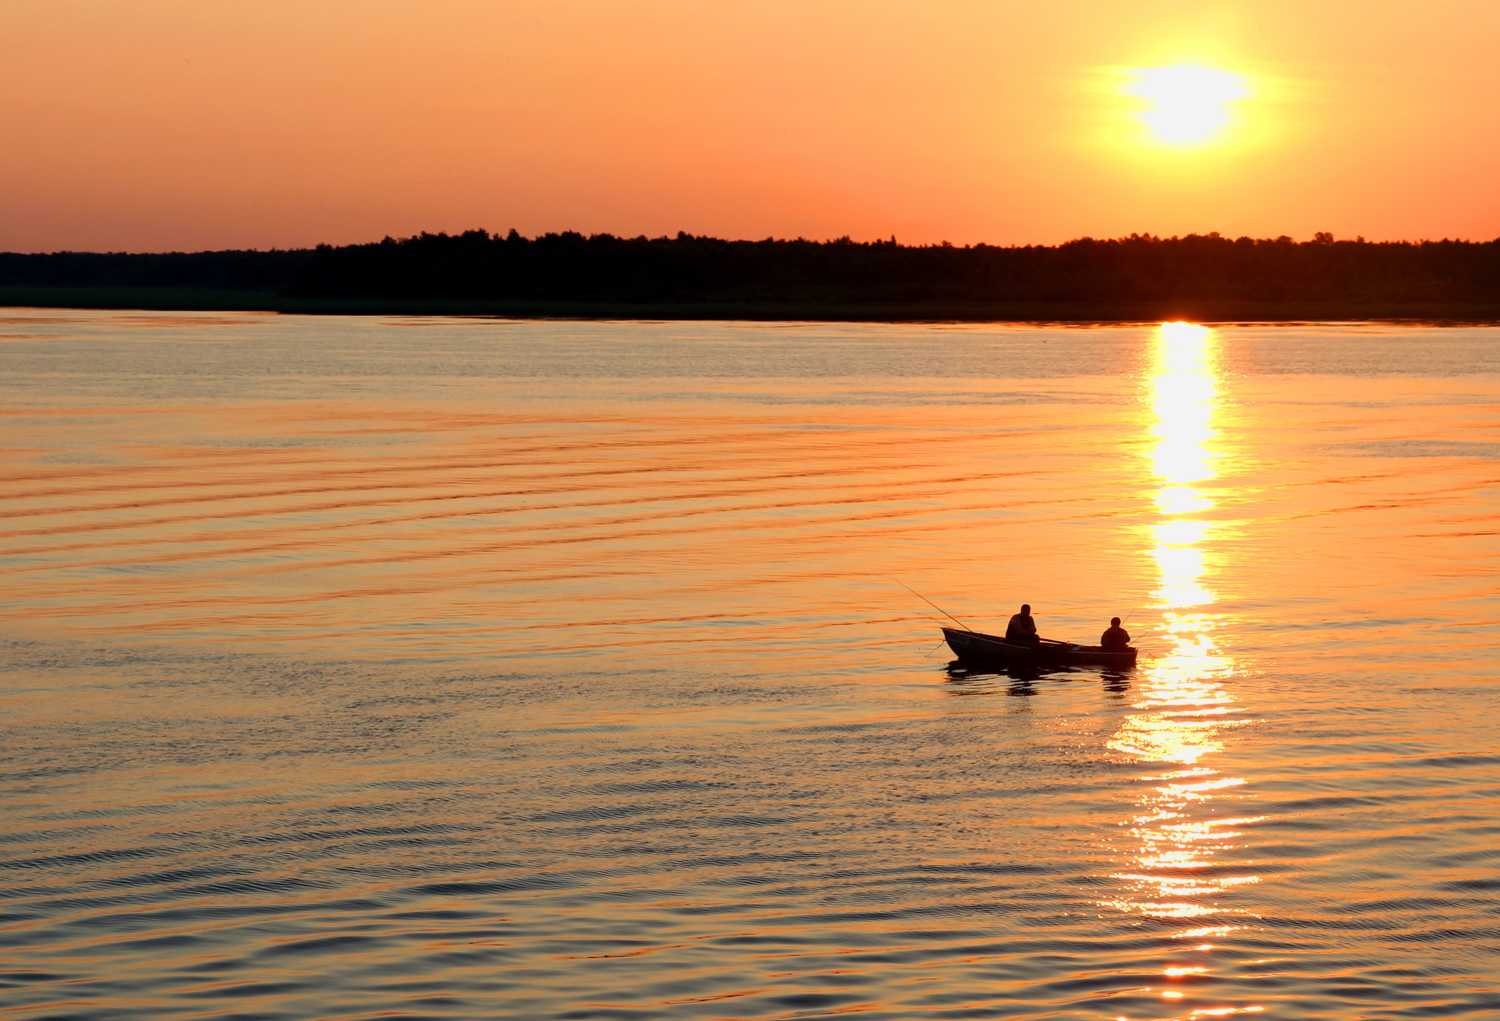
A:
[930, 603]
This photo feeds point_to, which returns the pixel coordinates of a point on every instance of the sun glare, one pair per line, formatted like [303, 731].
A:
[1186, 104]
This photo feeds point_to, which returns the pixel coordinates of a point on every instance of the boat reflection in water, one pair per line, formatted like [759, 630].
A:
[1186, 819]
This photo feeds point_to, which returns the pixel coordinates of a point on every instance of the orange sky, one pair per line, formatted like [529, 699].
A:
[180, 124]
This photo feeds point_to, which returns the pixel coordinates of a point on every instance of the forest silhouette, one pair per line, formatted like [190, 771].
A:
[602, 269]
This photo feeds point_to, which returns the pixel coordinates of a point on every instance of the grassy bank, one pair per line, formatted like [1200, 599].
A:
[196, 300]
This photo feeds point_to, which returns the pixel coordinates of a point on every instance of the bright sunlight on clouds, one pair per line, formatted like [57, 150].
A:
[1186, 104]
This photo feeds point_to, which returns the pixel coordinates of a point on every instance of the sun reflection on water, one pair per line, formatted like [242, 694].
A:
[1185, 711]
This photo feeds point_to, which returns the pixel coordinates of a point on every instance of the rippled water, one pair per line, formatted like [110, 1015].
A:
[460, 669]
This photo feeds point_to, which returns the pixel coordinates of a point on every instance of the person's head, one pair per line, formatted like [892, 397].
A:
[1114, 622]
[1026, 608]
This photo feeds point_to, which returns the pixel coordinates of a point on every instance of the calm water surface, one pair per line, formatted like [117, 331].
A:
[361, 668]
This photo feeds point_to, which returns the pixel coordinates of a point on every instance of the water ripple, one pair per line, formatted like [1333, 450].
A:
[572, 684]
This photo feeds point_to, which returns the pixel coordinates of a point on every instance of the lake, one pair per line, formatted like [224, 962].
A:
[465, 668]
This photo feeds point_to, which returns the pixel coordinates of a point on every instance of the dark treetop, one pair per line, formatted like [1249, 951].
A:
[571, 267]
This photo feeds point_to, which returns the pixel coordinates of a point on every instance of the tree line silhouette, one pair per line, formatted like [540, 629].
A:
[264, 272]
[572, 267]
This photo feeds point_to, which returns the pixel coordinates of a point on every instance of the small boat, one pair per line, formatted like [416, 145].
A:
[973, 646]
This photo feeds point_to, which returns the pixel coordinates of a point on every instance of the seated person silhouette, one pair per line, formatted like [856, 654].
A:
[1022, 627]
[1116, 639]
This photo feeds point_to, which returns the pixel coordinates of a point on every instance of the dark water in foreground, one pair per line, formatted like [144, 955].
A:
[462, 669]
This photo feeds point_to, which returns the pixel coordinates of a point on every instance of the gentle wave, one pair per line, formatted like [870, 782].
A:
[566, 671]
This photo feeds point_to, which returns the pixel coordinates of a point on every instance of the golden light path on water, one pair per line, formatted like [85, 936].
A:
[1184, 713]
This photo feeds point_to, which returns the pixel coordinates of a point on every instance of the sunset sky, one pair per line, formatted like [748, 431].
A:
[181, 124]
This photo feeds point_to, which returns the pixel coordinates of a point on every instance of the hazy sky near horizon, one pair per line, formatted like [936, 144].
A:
[182, 124]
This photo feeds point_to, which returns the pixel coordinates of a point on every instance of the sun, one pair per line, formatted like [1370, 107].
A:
[1186, 104]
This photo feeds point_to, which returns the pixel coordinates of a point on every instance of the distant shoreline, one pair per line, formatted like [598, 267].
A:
[167, 299]
[1141, 278]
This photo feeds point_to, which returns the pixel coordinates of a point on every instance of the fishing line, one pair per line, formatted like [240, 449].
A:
[929, 602]
[928, 616]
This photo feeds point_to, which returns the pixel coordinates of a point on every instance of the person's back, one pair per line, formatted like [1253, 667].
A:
[1116, 639]
[1022, 627]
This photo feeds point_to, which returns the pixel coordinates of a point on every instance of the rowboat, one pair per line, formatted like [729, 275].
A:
[974, 646]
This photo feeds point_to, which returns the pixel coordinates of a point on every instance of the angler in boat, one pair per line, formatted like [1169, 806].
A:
[1115, 638]
[1022, 627]
[1023, 646]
